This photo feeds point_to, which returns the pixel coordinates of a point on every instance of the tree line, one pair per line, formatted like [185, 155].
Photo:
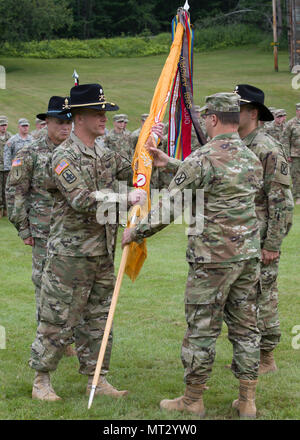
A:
[27, 20]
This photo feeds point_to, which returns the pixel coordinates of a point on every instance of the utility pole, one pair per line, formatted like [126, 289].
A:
[275, 42]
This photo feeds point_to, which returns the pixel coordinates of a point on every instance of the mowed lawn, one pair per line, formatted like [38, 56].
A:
[149, 322]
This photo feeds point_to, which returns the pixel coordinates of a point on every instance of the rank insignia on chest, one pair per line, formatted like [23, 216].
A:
[69, 176]
[284, 168]
[61, 166]
[180, 178]
[16, 163]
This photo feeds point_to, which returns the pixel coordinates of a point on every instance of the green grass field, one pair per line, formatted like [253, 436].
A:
[149, 323]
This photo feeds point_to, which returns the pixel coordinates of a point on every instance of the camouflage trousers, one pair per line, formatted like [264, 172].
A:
[3, 177]
[295, 173]
[75, 300]
[39, 255]
[267, 301]
[215, 292]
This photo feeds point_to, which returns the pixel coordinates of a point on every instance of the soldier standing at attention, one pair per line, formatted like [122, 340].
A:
[118, 139]
[16, 142]
[78, 278]
[274, 206]
[4, 136]
[276, 127]
[223, 256]
[291, 143]
[29, 203]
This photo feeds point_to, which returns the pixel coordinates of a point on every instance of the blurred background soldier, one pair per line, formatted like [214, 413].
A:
[16, 142]
[39, 125]
[135, 134]
[118, 139]
[4, 136]
[291, 144]
[275, 128]
[29, 203]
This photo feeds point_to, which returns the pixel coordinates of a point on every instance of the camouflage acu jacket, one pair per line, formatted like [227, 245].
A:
[12, 146]
[29, 204]
[3, 141]
[275, 130]
[230, 176]
[291, 138]
[78, 171]
[119, 142]
[273, 201]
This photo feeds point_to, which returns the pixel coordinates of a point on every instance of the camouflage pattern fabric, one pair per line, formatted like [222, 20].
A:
[223, 258]
[295, 172]
[274, 208]
[3, 174]
[291, 138]
[120, 143]
[12, 146]
[39, 257]
[36, 134]
[28, 201]
[215, 292]
[275, 130]
[75, 300]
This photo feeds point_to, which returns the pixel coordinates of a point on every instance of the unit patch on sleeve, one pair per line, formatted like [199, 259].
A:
[69, 176]
[16, 163]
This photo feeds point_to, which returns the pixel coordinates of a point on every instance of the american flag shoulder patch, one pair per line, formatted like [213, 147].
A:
[61, 166]
[16, 163]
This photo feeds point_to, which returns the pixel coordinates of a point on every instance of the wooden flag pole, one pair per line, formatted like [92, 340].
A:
[112, 309]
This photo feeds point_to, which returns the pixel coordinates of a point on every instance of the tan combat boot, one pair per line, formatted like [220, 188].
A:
[245, 404]
[267, 362]
[42, 388]
[191, 401]
[70, 351]
[105, 388]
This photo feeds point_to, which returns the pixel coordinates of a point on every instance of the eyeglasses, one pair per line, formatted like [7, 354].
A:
[204, 116]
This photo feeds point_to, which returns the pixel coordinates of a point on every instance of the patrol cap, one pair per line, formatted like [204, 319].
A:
[272, 109]
[279, 112]
[3, 120]
[298, 106]
[197, 108]
[222, 102]
[23, 121]
[144, 116]
[40, 121]
[120, 118]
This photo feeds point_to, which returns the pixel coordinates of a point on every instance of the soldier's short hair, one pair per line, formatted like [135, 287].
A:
[227, 118]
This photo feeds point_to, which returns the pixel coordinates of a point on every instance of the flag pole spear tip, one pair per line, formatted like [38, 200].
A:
[186, 5]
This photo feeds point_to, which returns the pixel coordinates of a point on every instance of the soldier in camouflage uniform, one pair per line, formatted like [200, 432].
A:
[39, 125]
[275, 128]
[4, 136]
[134, 136]
[194, 139]
[29, 203]
[291, 143]
[223, 256]
[274, 208]
[118, 139]
[16, 142]
[78, 278]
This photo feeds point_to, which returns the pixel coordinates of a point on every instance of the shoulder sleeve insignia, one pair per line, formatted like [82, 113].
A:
[61, 166]
[284, 168]
[69, 176]
[180, 178]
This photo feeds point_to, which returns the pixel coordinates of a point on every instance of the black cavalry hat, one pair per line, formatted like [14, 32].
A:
[56, 107]
[90, 96]
[253, 95]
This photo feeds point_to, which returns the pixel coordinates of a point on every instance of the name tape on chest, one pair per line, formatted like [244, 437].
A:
[61, 166]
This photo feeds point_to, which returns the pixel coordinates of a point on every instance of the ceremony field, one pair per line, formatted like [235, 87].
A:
[149, 322]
